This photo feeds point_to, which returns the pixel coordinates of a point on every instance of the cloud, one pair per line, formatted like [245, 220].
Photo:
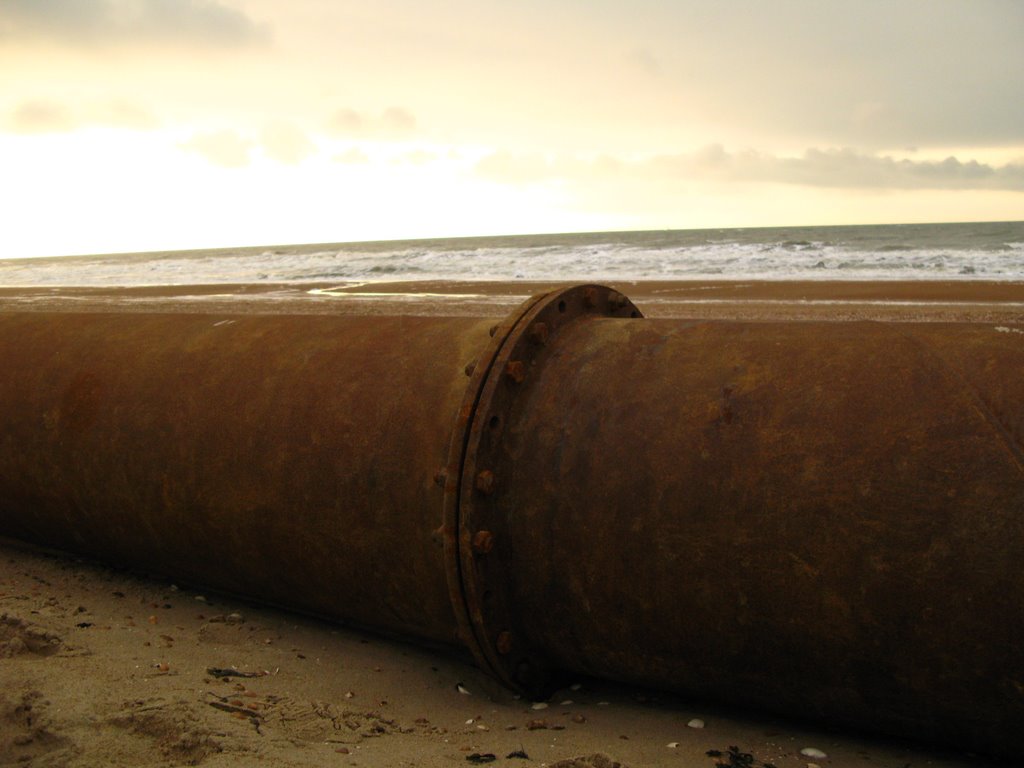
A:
[43, 116]
[286, 143]
[398, 121]
[193, 23]
[842, 168]
[873, 74]
[346, 121]
[830, 168]
[227, 149]
[123, 114]
[392, 123]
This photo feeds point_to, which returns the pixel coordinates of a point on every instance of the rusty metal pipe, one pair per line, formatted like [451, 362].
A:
[291, 458]
[820, 518]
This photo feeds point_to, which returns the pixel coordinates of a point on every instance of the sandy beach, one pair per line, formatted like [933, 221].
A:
[102, 666]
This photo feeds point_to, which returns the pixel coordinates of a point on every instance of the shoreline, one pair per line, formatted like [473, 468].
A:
[934, 301]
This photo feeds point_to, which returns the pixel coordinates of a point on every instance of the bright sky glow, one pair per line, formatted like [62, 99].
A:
[150, 124]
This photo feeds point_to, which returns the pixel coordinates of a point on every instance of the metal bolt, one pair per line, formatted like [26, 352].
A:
[504, 643]
[483, 542]
[516, 371]
[485, 481]
[470, 367]
[538, 333]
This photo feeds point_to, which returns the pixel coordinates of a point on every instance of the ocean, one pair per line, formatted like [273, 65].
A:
[992, 251]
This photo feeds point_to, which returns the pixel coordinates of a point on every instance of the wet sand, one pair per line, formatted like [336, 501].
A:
[750, 300]
[100, 666]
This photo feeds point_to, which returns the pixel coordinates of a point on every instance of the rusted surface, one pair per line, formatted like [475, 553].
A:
[488, 621]
[817, 518]
[801, 517]
[287, 458]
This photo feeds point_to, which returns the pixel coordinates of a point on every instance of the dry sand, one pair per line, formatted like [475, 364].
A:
[103, 667]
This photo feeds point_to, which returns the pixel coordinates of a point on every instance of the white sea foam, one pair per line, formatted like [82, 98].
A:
[969, 251]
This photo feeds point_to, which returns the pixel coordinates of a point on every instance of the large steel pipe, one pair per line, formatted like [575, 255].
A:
[291, 458]
[813, 518]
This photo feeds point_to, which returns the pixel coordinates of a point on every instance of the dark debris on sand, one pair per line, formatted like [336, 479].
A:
[733, 758]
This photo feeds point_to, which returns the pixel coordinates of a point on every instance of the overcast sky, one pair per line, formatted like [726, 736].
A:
[159, 124]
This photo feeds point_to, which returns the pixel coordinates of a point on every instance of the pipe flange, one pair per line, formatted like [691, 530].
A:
[473, 513]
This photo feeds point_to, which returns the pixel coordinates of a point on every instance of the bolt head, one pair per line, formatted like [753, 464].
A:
[516, 371]
[483, 542]
[485, 481]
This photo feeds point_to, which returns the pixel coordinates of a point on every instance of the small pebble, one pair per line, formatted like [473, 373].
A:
[539, 705]
[814, 753]
[579, 719]
[566, 703]
[342, 750]
[575, 686]
[462, 689]
[200, 598]
[602, 703]
[695, 723]
[672, 744]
